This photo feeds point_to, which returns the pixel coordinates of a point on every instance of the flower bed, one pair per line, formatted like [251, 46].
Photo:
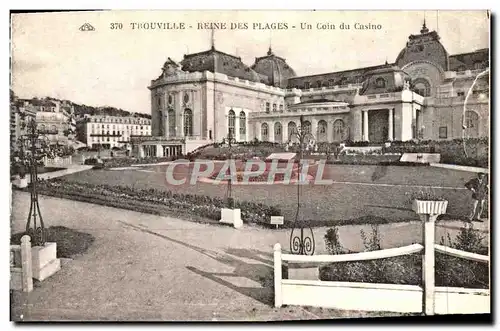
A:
[127, 161]
[158, 201]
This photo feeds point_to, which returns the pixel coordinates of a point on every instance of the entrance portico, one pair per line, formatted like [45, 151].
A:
[378, 125]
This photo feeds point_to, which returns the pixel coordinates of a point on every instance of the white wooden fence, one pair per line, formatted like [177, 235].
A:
[57, 161]
[21, 268]
[380, 297]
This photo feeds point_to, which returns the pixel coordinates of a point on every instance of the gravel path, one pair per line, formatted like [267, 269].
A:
[145, 267]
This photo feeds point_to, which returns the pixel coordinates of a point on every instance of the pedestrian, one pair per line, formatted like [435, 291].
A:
[479, 188]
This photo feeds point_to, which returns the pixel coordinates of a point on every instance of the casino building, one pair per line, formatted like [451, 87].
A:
[425, 94]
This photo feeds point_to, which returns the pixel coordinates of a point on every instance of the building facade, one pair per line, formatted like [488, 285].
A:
[425, 94]
[55, 119]
[111, 131]
[20, 113]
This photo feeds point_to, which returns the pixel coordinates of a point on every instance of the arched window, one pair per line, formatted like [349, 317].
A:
[471, 124]
[380, 82]
[41, 128]
[264, 132]
[338, 130]
[278, 132]
[231, 118]
[322, 131]
[171, 123]
[188, 122]
[421, 86]
[243, 126]
[306, 127]
[53, 129]
[292, 130]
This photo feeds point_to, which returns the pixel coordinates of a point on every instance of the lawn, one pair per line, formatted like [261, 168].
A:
[358, 191]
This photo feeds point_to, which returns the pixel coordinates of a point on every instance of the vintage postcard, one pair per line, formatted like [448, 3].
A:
[249, 165]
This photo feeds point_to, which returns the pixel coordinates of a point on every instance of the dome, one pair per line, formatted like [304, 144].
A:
[217, 61]
[274, 68]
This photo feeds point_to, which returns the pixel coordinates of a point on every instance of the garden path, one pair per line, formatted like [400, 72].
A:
[146, 267]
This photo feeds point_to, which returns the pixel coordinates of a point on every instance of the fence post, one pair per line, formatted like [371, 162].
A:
[278, 299]
[27, 271]
[428, 263]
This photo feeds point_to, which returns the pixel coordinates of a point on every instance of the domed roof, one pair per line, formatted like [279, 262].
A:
[216, 61]
[275, 68]
[389, 78]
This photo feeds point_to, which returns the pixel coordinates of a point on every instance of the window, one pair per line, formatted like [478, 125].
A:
[188, 122]
[171, 123]
[331, 83]
[186, 98]
[478, 65]
[306, 85]
[343, 81]
[460, 94]
[306, 127]
[264, 132]
[243, 126]
[318, 83]
[278, 137]
[380, 82]
[231, 122]
[471, 124]
[281, 108]
[292, 129]
[322, 129]
[338, 130]
[268, 107]
[274, 108]
[422, 87]
[443, 132]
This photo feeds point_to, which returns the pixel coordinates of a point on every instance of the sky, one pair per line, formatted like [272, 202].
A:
[113, 67]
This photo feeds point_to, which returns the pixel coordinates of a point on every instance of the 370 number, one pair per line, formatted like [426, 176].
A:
[116, 26]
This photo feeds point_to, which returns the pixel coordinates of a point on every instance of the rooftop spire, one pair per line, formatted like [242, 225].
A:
[213, 40]
[424, 27]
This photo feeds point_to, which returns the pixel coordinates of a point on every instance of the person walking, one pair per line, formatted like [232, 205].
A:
[479, 188]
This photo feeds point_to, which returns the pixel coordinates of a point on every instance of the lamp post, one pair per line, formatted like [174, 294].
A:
[301, 243]
[33, 147]
[230, 140]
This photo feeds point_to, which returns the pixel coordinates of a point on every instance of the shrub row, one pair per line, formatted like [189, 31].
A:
[199, 205]
[452, 151]
[450, 271]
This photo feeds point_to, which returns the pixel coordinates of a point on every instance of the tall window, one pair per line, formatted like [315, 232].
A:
[268, 107]
[471, 124]
[338, 130]
[281, 108]
[243, 126]
[306, 85]
[231, 122]
[188, 122]
[292, 129]
[171, 123]
[322, 131]
[274, 107]
[306, 127]
[264, 132]
[278, 136]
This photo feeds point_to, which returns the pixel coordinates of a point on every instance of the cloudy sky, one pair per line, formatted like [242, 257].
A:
[51, 57]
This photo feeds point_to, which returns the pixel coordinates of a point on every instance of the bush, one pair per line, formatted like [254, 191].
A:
[199, 205]
[452, 151]
[450, 271]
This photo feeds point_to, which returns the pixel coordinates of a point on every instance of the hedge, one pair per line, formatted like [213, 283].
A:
[124, 197]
